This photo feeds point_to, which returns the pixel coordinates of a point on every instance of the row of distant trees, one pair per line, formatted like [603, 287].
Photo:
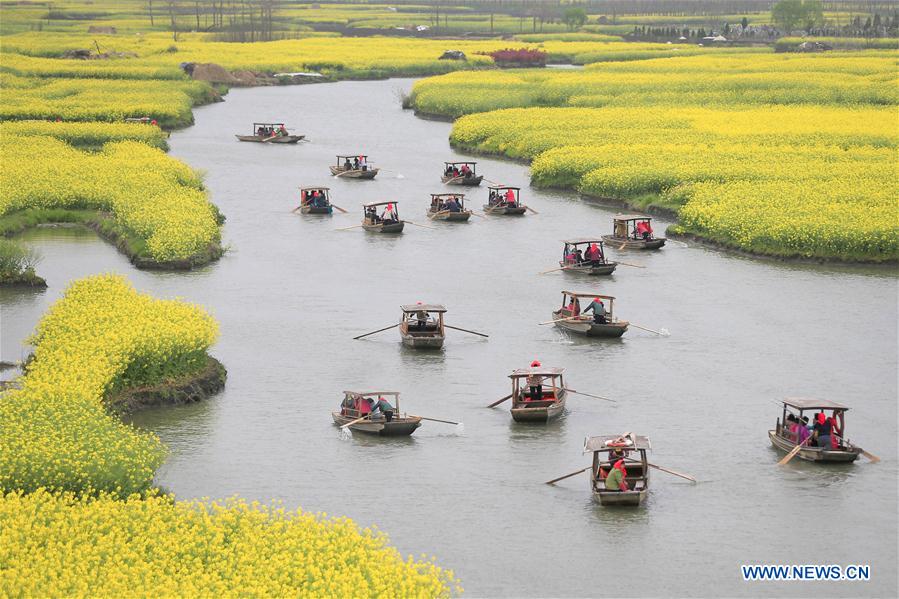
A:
[238, 20]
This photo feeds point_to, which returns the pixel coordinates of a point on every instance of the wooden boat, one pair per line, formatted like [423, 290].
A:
[625, 235]
[354, 167]
[501, 203]
[392, 424]
[421, 326]
[371, 221]
[586, 267]
[842, 452]
[439, 211]
[315, 200]
[584, 324]
[637, 468]
[270, 133]
[470, 179]
[550, 405]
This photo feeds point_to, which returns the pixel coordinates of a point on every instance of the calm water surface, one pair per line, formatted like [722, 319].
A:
[292, 293]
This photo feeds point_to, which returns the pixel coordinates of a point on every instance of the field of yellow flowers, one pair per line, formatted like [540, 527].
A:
[777, 154]
[77, 514]
[158, 199]
[83, 134]
[62, 545]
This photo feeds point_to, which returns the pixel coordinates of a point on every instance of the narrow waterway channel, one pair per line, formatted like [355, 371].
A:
[292, 292]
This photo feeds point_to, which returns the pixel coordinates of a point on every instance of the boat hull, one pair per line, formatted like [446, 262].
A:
[505, 210]
[339, 171]
[620, 498]
[815, 454]
[589, 328]
[398, 427]
[450, 217]
[588, 269]
[423, 341]
[524, 413]
[466, 181]
[392, 228]
[285, 139]
[634, 244]
[315, 210]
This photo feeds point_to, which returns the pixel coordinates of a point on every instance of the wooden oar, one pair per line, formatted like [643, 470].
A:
[355, 170]
[418, 225]
[559, 268]
[648, 329]
[297, 208]
[465, 330]
[560, 320]
[555, 480]
[357, 420]
[874, 459]
[623, 245]
[268, 139]
[531, 209]
[476, 214]
[793, 452]
[378, 331]
[454, 178]
[496, 403]
[436, 420]
[687, 476]
[628, 264]
[588, 394]
[339, 208]
[348, 228]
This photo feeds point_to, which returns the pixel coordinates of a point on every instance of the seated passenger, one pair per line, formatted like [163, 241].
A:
[617, 478]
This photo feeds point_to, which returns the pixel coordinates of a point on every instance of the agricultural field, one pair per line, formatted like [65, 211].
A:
[159, 202]
[775, 154]
[69, 469]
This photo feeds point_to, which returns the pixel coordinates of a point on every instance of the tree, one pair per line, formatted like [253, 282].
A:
[790, 13]
[575, 17]
[745, 23]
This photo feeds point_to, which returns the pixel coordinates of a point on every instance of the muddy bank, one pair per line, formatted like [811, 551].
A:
[188, 389]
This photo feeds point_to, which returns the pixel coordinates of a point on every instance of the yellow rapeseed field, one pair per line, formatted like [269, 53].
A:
[77, 517]
[159, 199]
[101, 336]
[87, 134]
[777, 154]
[55, 545]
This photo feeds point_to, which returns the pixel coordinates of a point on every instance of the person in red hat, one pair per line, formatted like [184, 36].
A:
[389, 215]
[644, 230]
[535, 382]
[617, 478]
[599, 310]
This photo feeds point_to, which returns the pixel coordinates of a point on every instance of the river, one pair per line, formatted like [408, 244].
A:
[292, 292]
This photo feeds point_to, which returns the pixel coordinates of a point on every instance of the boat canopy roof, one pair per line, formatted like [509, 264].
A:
[374, 204]
[498, 187]
[539, 371]
[462, 162]
[315, 188]
[576, 294]
[267, 125]
[447, 195]
[582, 241]
[367, 393]
[410, 308]
[808, 403]
[339, 156]
[598, 443]
[630, 217]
